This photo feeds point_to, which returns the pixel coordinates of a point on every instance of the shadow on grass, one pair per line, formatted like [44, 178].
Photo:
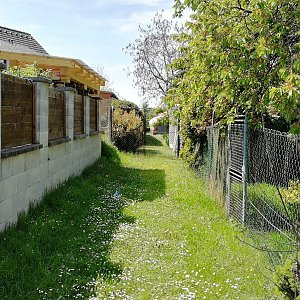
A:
[152, 141]
[59, 248]
[144, 151]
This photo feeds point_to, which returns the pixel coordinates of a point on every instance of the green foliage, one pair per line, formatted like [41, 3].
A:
[128, 130]
[287, 279]
[166, 138]
[123, 104]
[110, 151]
[32, 70]
[238, 57]
[291, 194]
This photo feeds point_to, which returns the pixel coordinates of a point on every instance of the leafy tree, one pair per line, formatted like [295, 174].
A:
[152, 52]
[239, 56]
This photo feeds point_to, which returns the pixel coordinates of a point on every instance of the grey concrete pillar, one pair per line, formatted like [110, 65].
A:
[41, 109]
[69, 96]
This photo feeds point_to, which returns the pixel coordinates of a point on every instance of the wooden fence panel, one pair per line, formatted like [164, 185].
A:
[17, 112]
[78, 114]
[57, 114]
[93, 115]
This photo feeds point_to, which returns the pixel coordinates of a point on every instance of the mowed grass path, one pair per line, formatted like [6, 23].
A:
[133, 226]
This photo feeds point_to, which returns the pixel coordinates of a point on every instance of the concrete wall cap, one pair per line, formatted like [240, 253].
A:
[39, 79]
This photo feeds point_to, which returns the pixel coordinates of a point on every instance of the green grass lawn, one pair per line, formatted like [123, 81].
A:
[133, 226]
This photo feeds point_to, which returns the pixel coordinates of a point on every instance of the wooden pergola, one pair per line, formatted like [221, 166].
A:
[68, 71]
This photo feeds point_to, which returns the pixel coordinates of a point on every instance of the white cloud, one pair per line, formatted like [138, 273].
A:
[149, 3]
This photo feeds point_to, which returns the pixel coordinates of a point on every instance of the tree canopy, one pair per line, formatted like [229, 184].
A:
[152, 52]
[239, 56]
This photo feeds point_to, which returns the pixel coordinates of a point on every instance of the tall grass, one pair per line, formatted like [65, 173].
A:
[133, 226]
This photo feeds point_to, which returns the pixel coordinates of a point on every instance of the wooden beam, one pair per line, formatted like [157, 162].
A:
[82, 79]
[40, 59]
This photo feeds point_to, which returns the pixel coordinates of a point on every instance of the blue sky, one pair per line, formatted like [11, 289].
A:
[94, 31]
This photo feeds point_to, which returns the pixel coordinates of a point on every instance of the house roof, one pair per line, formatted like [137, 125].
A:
[18, 41]
[107, 95]
[20, 48]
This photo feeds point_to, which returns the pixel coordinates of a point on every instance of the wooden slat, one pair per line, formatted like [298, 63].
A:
[78, 114]
[56, 119]
[17, 113]
[93, 115]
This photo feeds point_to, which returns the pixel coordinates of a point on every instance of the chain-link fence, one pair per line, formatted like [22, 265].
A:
[257, 174]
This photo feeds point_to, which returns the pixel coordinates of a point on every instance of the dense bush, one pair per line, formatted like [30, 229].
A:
[128, 130]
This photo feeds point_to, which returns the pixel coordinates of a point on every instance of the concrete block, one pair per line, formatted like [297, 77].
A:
[32, 159]
[58, 151]
[69, 122]
[51, 167]
[58, 178]
[34, 192]
[6, 210]
[41, 123]
[2, 226]
[10, 185]
[43, 170]
[48, 183]
[42, 138]
[6, 167]
[20, 203]
[44, 155]
[23, 180]
[1, 191]
[34, 175]
[18, 164]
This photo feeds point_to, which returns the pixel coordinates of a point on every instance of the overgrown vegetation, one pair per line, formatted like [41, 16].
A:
[130, 227]
[128, 130]
[31, 70]
[238, 57]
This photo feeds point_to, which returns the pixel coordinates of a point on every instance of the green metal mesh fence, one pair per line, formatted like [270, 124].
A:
[258, 172]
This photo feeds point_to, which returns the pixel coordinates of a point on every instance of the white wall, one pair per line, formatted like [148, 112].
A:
[24, 178]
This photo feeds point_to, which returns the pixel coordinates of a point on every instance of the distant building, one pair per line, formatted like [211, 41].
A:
[155, 124]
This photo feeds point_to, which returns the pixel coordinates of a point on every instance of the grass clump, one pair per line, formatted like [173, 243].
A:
[133, 226]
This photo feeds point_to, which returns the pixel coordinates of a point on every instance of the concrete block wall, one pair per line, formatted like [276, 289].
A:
[24, 178]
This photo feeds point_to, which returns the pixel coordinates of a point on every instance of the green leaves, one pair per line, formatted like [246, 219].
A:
[29, 71]
[238, 57]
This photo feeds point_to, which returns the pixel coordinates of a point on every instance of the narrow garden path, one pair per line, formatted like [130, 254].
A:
[133, 226]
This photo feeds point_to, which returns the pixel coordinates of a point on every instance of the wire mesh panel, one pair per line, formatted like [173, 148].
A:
[274, 191]
[57, 114]
[213, 163]
[17, 111]
[236, 179]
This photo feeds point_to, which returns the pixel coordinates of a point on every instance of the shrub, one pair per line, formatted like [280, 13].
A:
[29, 71]
[287, 279]
[291, 194]
[127, 130]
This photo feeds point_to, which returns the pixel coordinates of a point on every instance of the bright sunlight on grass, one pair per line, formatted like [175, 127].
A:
[133, 226]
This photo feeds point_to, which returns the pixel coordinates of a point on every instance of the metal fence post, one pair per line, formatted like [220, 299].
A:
[178, 139]
[228, 170]
[245, 167]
